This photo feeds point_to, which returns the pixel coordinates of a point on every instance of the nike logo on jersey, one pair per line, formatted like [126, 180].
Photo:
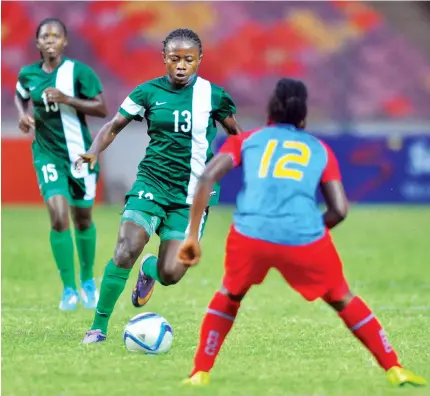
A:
[32, 88]
[159, 103]
[212, 193]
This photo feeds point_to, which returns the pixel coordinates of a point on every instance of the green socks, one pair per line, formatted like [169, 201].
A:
[62, 249]
[150, 268]
[86, 246]
[113, 283]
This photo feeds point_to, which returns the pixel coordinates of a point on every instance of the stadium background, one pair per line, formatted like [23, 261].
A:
[367, 67]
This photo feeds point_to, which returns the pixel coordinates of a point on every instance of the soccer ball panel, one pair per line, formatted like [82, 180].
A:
[148, 333]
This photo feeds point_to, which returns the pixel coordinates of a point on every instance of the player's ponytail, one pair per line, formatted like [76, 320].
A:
[288, 103]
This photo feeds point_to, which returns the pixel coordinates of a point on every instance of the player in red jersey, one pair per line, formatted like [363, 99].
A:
[277, 224]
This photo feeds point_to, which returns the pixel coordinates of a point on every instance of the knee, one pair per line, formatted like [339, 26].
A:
[170, 275]
[231, 296]
[340, 303]
[126, 252]
[59, 220]
[82, 218]
[83, 223]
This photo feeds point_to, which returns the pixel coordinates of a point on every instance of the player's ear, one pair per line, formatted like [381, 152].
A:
[65, 43]
[164, 57]
[302, 124]
[200, 58]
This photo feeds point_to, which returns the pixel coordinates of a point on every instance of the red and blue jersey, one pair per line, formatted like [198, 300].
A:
[282, 167]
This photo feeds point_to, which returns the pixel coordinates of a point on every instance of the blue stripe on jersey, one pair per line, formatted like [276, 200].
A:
[282, 169]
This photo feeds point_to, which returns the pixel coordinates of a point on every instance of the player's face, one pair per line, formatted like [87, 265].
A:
[51, 40]
[182, 59]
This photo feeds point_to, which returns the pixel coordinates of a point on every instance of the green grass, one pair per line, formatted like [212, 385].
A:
[281, 345]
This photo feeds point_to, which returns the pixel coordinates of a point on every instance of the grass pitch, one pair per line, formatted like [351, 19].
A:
[281, 345]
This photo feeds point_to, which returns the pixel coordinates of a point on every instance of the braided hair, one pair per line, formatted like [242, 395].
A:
[288, 103]
[183, 34]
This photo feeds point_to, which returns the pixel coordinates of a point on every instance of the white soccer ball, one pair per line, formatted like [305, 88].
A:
[148, 333]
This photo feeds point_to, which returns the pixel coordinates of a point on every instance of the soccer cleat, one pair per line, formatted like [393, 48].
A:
[144, 286]
[69, 300]
[93, 336]
[198, 379]
[398, 376]
[89, 294]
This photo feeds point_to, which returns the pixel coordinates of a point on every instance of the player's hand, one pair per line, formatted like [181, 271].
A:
[189, 253]
[53, 95]
[26, 123]
[86, 158]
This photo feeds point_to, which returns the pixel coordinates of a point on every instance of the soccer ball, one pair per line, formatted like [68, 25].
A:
[148, 333]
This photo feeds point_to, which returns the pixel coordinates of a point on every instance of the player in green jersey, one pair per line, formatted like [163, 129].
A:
[62, 92]
[180, 109]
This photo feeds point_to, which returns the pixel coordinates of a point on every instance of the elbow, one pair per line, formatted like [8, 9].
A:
[341, 211]
[341, 216]
[102, 112]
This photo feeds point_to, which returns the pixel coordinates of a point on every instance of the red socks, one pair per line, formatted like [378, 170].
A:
[357, 316]
[363, 324]
[216, 325]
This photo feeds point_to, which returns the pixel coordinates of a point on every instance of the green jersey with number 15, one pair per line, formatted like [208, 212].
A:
[60, 129]
[181, 127]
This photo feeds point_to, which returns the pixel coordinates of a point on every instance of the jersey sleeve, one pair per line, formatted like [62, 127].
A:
[133, 107]
[233, 146]
[226, 107]
[21, 86]
[88, 81]
[331, 171]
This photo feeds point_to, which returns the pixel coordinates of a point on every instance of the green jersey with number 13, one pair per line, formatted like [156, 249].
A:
[181, 127]
[60, 130]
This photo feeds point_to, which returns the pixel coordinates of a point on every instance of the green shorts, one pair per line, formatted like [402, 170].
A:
[168, 222]
[56, 177]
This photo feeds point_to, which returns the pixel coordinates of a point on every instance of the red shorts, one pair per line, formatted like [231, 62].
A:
[313, 270]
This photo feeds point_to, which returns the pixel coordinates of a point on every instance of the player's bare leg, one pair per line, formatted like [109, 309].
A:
[217, 323]
[170, 270]
[58, 209]
[132, 238]
[62, 250]
[164, 269]
[363, 324]
[85, 236]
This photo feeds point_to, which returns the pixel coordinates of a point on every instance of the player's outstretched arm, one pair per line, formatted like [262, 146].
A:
[336, 202]
[104, 138]
[189, 253]
[215, 170]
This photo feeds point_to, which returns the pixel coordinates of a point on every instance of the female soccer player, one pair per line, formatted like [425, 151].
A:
[63, 91]
[180, 109]
[277, 224]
